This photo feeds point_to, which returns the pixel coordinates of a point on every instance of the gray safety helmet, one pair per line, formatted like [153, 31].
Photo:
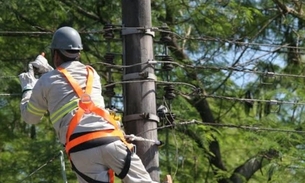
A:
[66, 38]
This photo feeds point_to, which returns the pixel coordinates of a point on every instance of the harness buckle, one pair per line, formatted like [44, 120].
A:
[85, 103]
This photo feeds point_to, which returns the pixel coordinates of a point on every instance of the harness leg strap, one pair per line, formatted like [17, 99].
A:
[126, 167]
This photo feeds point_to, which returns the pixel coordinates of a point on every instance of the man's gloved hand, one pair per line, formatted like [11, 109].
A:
[27, 79]
[41, 64]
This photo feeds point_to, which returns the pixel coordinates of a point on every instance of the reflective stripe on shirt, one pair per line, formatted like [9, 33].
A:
[65, 109]
[34, 110]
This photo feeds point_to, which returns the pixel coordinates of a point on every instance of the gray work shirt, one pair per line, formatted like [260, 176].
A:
[53, 92]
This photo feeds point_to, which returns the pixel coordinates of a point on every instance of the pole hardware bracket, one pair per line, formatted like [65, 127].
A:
[140, 75]
[138, 30]
[146, 116]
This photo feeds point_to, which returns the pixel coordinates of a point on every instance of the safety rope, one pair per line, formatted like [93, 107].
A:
[133, 137]
[61, 156]
[63, 166]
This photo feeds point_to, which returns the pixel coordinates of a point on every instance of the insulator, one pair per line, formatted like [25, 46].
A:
[109, 57]
[109, 92]
[170, 117]
[165, 35]
[167, 119]
[165, 38]
[108, 34]
[167, 66]
[169, 92]
[112, 108]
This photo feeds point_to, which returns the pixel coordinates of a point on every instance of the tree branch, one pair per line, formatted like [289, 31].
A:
[200, 104]
[28, 21]
[205, 112]
[247, 170]
[83, 12]
[287, 10]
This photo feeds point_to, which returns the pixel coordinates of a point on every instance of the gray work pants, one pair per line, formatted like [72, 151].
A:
[95, 163]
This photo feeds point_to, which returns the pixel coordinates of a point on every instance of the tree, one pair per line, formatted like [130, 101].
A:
[255, 25]
[234, 64]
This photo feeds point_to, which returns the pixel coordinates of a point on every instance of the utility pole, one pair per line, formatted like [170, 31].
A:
[139, 94]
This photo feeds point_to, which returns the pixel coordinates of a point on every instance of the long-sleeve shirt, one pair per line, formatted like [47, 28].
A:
[53, 94]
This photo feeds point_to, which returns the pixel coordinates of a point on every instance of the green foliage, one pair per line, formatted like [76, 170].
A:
[244, 37]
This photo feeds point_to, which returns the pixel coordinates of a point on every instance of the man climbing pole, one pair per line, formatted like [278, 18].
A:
[71, 94]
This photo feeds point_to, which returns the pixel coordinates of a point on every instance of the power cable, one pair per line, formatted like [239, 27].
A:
[242, 127]
[197, 91]
[120, 66]
[5, 77]
[26, 33]
[10, 94]
[272, 102]
[237, 69]
[179, 37]
[269, 74]
[149, 80]
[232, 41]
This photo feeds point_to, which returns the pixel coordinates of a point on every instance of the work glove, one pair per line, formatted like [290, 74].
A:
[27, 79]
[41, 64]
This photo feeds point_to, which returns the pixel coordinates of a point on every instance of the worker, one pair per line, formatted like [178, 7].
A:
[71, 94]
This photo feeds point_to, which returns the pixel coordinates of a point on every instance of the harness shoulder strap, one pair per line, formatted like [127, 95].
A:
[79, 92]
[74, 83]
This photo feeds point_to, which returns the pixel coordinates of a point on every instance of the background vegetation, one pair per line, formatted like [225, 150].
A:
[238, 73]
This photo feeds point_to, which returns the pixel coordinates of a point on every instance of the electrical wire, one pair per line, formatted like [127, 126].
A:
[26, 33]
[238, 69]
[5, 77]
[121, 66]
[10, 94]
[197, 90]
[242, 127]
[218, 68]
[234, 41]
[150, 80]
[272, 102]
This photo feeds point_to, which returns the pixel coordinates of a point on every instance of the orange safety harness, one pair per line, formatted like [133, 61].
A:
[86, 106]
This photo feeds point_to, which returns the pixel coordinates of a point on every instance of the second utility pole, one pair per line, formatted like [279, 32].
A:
[139, 92]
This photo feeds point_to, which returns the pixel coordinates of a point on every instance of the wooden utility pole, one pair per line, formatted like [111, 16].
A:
[139, 94]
